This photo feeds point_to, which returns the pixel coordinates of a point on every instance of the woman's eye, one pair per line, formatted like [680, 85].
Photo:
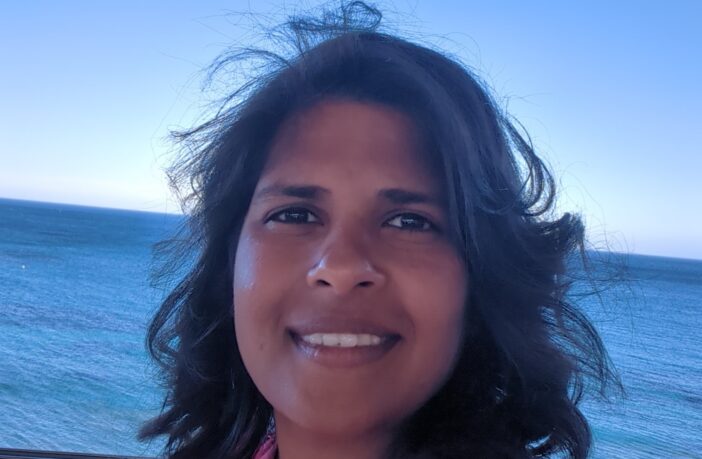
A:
[293, 215]
[411, 222]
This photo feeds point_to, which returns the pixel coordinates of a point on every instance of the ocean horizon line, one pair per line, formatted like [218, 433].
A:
[87, 206]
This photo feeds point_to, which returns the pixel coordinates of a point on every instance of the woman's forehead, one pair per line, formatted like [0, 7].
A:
[341, 140]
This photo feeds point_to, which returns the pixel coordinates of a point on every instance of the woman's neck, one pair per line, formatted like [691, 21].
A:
[295, 442]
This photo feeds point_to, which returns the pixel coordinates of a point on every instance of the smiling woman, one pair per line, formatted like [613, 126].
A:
[380, 274]
[360, 298]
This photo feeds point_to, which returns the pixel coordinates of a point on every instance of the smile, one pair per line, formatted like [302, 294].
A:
[343, 350]
[342, 339]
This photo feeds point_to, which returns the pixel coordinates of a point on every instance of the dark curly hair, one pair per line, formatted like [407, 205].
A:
[528, 354]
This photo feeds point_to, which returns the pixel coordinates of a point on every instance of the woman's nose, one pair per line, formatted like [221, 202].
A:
[344, 265]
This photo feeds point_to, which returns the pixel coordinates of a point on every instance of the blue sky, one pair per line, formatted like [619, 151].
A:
[609, 92]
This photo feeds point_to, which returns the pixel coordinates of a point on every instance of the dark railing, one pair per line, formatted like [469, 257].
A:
[6, 453]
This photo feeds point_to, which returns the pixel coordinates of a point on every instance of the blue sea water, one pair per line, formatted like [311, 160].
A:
[75, 300]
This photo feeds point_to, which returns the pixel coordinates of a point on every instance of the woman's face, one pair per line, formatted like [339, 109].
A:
[348, 296]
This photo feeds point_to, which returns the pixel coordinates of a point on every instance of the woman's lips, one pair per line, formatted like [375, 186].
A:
[343, 350]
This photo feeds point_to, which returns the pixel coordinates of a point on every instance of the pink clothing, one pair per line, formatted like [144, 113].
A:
[267, 449]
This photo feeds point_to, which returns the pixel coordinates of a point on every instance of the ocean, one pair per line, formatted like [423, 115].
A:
[75, 299]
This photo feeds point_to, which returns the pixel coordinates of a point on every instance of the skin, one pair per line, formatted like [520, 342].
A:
[351, 254]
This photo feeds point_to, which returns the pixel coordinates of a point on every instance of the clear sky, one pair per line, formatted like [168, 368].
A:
[609, 91]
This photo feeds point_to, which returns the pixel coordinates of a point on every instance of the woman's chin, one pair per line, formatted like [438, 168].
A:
[341, 425]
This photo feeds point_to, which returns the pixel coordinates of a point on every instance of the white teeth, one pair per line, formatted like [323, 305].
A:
[342, 339]
[313, 339]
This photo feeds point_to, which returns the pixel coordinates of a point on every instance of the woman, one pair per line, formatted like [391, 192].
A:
[379, 271]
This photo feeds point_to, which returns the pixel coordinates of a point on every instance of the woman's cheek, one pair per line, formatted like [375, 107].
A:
[437, 291]
[260, 258]
[263, 271]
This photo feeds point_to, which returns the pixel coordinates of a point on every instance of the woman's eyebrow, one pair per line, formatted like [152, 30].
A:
[296, 191]
[400, 196]
[396, 196]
